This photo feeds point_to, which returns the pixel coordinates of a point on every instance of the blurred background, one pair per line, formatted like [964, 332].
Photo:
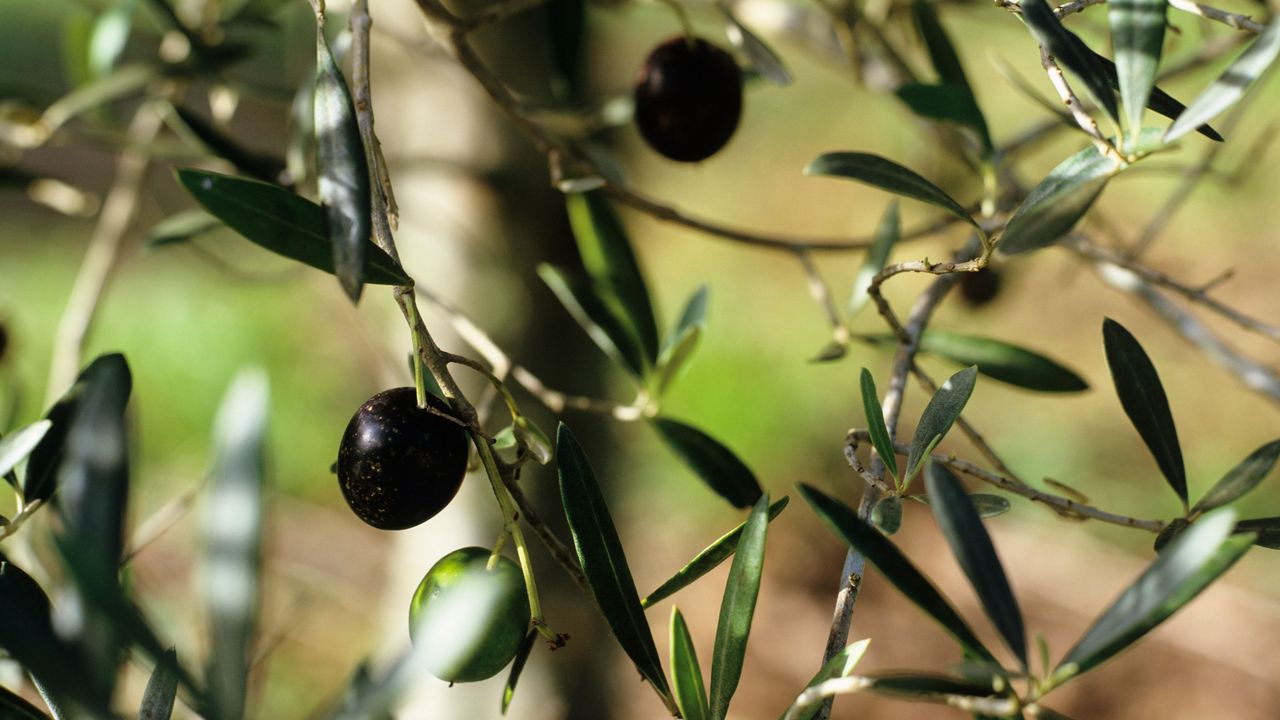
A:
[478, 213]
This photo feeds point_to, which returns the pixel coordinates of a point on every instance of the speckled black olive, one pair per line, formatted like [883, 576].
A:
[979, 288]
[398, 464]
[688, 99]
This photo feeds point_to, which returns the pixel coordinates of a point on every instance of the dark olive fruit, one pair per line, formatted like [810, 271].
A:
[398, 464]
[979, 288]
[471, 618]
[688, 99]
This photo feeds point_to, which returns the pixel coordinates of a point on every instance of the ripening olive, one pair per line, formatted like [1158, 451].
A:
[399, 464]
[979, 288]
[688, 99]
[470, 618]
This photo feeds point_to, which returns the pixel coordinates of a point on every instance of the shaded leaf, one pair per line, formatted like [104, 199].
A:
[973, 550]
[710, 460]
[926, 686]
[1188, 565]
[986, 505]
[888, 232]
[1175, 528]
[517, 667]
[1003, 361]
[532, 439]
[233, 539]
[831, 352]
[1137, 36]
[938, 416]
[1266, 530]
[1240, 479]
[1071, 51]
[1144, 401]
[17, 445]
[218, 142]
[341, 169]
[880, 439]
[842, 664]
[161, 690]
[763, 59]
[1231, 85]
[181, 227]
[887, 514]
[686, 673]
[610, 261]
[737, 609]
[282, 222]
[896, 568]
[602, 559]
[947, 103]
[707, 560]
[579, 297]
[671, 363]
[886, 175]
[1055, 205]
[942, 53]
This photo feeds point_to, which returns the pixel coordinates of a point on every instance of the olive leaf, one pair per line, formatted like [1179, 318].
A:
[1071, 51]
[1137, 35]
[592, 313]
[842, 664]
[947, 103]
[681, 342]
[517, 667]
[998, 360]
[1241, 479]
[1057, 203]
[686, 673]
[880, 439]
[161, 690]
[763, 59]
[715, 464]
[181, 227]
[886, 175]
[17, 445]
[888, 232]
[886, 515]
[1231, 85]
[737, 609]
[938, 416]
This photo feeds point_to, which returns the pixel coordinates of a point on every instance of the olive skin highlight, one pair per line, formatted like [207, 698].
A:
[688, 99]
[399, 464]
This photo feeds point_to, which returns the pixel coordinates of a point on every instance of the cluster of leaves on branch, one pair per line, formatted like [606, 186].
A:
[328, 203]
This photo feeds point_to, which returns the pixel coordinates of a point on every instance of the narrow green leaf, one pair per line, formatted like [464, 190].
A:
[886, 175]
[973, 550]
[706, 561]
[986, 505]
[715, 464]
[1137, 36]
[1071, 51]
[532, 439]
[888, 232]
[679, 345]
[880, 439]
[233, 539]
[737, 609]
[517, 667]
[181, 227]
[1159, 102]
[693, 315]
[927, 687]
[686, 672]
[161, 690]
[123, 82]
[579, 297]
[1175, 528]
[1054, 206]
[15, 707]
[109, 35]
[602, 559]
[1003, 361]
[1265, 530]
[842, 664]
[17, 445]
[886, 516]
[1044, 713]
[1232, 85]
[763, 59]
[1240, 479]
[282, 222]
[896, 568]
[1144, 401]
[938, 416]
[1188, 565]
[342, 170]
[610, 261]
[942, 53]
[947, 103]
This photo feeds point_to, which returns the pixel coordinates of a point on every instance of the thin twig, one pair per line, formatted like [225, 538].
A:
[1068, 97]
[1239, 22]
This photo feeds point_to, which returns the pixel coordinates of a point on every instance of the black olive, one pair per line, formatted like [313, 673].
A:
[398, 464]
[979, 288]
[688, 99]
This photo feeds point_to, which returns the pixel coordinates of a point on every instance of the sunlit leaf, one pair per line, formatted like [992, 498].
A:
[763, 59]
[1241, 479]
[161, 690]
[896, 568]
[17, 445]
[181, 227]
[880, 439]
[707, 560]
[842, 664]
[1159, 102]
[1188, 565]
[517, 667]
[1144, 401]
[233, 539]
[109, 35]
[886, 175]
[938, 416]
[602, 559]
[1003, 361]
[888, 232]
[973, 550]
[715, 464]
[1071, 51]
[673, 361]
[282, 222]
[1137, 35]
[579, 297]
[737, 608]
[1055, 205]
[342, 170]
[1232, 85]
[686, 672]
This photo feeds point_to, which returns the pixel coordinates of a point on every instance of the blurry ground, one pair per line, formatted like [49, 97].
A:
[186, 326]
